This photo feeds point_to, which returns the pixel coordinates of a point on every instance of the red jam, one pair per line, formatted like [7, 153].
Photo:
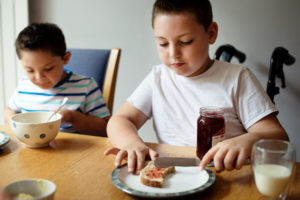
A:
[211, 124]
[155, 173]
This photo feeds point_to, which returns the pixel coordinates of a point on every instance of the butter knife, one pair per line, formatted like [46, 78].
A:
[162, 162]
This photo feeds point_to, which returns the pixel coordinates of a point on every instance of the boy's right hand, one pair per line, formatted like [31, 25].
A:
[66, 115]
[135, 155]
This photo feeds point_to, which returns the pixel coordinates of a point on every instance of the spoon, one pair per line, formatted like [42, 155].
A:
[64, 101]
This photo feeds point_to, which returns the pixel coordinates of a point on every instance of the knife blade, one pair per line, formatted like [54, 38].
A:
[162, 162]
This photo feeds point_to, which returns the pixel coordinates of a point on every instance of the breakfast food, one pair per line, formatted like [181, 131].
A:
[154, 176]
[23, 196]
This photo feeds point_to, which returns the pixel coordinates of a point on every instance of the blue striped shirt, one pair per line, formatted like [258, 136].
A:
[83, 93]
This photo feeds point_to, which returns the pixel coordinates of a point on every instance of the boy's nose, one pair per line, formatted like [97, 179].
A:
[174, 52]
[39, 76]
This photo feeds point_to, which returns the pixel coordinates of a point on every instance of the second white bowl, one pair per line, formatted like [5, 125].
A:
[35, 189]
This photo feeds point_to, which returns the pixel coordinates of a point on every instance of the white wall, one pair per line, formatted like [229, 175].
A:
[254, 27]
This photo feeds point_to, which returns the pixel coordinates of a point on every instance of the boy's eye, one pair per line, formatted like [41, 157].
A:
[29, 71]
[187, 42]
[163, 44]
[49, 69]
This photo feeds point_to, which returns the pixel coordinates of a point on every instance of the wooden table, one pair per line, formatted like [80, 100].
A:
[76, 164]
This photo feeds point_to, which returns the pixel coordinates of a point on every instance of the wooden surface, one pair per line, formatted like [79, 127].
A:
[76, 164]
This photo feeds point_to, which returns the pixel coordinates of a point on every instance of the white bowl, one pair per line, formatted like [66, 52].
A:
[33, 189]
[33, 128]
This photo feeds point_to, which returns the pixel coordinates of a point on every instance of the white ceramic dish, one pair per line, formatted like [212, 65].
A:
[4, 138]
[37, 189]
[34, 129]
[186, 181]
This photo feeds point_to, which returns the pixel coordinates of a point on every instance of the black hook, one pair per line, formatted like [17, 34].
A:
[227, 52]
[279, 57]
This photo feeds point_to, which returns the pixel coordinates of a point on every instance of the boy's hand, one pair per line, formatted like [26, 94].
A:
[229, 154]
[5, 196]
[135, 155]
[66, 115]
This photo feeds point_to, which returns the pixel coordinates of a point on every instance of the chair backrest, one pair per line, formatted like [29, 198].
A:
[101, 64]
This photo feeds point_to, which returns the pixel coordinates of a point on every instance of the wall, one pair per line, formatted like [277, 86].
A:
[254, 27]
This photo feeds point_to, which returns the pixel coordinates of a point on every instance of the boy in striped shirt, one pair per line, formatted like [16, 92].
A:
[41, 49]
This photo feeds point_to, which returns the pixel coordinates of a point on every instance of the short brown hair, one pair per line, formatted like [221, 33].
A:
[41, 36]
[201, 9]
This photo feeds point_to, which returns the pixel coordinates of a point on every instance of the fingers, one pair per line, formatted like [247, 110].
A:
[141, 158]
[66, 116]
[230, 160]
[140, 162]
[120, 156]
[132, 157]
[241, 160]
[5, 196]
[218, 160]
[153, 154]
[135, 158]
[111, 151]
[208, 157]
[223, 159]
[235, 160]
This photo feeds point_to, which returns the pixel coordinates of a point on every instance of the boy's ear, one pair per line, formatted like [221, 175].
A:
[67, 57]
[213, 32]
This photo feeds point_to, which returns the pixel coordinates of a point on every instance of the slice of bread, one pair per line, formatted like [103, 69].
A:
[154, 176]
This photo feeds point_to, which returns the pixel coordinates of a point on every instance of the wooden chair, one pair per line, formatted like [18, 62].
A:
[102, 65]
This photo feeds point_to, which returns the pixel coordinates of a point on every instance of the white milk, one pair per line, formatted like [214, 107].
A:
[271, 180]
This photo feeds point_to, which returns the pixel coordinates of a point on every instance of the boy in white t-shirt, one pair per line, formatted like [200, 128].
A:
[41, 49]
[188, 79]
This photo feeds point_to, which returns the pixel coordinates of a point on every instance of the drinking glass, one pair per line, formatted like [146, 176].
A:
[272, 164]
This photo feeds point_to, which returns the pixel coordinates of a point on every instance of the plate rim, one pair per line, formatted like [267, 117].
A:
[5, 140]
[118, 184]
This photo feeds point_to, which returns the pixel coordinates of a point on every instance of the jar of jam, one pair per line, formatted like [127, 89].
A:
[210, 129]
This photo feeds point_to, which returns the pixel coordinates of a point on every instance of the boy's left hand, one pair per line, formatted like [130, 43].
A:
[229, 154]
[233, 153]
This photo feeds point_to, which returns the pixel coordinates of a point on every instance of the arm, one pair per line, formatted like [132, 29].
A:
[122, 130]
[8, 114]
[87, 124]
[233, 152]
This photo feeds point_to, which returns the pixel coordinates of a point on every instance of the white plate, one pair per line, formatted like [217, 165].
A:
[4, 138]
[185, 181]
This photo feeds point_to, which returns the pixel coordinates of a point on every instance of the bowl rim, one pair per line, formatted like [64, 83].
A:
[43, 195]
[25, 113]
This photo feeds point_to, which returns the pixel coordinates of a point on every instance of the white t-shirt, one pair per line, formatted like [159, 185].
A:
[174, 101]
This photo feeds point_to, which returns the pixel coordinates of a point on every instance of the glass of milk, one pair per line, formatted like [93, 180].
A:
[272, 164]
